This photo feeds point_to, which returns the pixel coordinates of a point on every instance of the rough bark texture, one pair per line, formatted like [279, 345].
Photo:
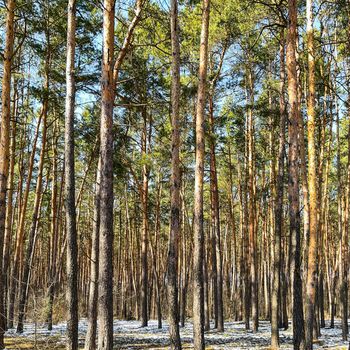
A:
[105, 290]
[293, 178]
[175, 224]
[312, 249]
[5, 144]
[198, 231]
[69, 190]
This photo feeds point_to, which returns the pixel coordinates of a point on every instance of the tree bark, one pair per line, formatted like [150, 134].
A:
[5, 144]
[105, 290]
[198, 230]
[312, 249]
[69, 189]
[175, 224]
[293, 179]
[275, 302]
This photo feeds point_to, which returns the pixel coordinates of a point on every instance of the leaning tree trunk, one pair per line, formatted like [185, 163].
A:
[175, 225]
[69, 186]
[198, 230]
[5, 144]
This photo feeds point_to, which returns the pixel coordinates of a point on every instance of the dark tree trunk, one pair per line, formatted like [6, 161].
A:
[69, 182]
[175, 225]
[293, 179]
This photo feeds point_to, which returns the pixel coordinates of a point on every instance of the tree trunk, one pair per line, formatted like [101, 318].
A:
[198, 230]
[215, 212]
[293, 180]
[90, 339]
[5, 144]
[69, 181]
[10, 209]
[144, 235]
[312, 249]
[251, 203]
[275, 302]
[175, 224]
[105, 290]
[53, 239]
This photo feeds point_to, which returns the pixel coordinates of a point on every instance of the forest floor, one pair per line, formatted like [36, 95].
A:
[129, 335]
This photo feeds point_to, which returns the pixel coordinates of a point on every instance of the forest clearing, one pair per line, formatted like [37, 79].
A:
[174, 174]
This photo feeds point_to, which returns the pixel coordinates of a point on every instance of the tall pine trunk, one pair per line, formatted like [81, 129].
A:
[293, 179]
[105, 290]
[5, 144]
[276, 285]
[69, 189]
[175, 224]
[198, 230]
[312, 247]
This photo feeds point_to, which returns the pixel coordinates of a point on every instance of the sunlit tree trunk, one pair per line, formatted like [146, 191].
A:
[198, 230]
[105, 290]
[312, 253]
[10, 209]
[5, 143]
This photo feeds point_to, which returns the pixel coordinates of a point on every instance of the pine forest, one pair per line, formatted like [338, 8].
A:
[174, 174]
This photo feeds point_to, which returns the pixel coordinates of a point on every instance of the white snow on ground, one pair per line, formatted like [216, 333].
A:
[129, 335]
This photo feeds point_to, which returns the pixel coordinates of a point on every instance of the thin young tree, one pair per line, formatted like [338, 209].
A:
[90, 339]
[5, 144]
[69, 185]
[175, 224]
[198, 229]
